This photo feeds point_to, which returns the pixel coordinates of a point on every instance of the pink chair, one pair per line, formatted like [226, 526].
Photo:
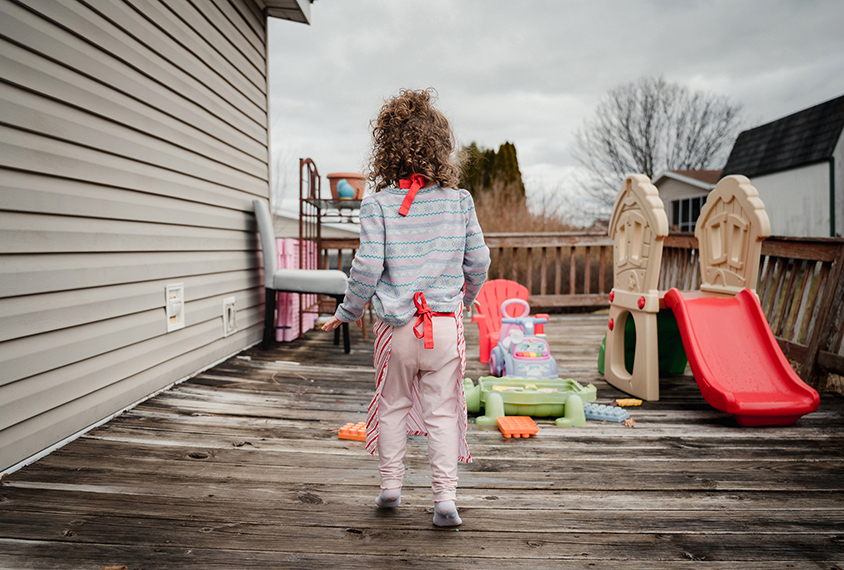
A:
[287, 319]
[488, 315]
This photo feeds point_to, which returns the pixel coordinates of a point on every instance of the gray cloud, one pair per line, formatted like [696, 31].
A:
[531, 72]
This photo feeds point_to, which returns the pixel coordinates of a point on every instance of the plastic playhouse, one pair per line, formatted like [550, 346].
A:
[519, 352]
[546, 397]
[734, 357]
[671, 356]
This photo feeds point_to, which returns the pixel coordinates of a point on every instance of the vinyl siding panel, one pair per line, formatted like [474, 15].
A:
[107, 37]
[50, 42]
[252, 31]
[35, 74]
[36, 314]
[43, 273]
[797, 200]
[25, 438]
[29, 151]
[133, 139]
[179, 19]
[161, 31]
[253, 15]
[33, 357]
[670, 190]
[31, 192]
[37, 233]
[18, 109]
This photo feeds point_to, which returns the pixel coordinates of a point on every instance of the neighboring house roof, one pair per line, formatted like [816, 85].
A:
[803, 138]
[703, 179]
[706, 176]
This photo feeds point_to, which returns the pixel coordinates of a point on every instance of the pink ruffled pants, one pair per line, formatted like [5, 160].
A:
[431, 374]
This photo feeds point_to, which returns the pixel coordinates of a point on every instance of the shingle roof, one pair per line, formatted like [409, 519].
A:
[803, 138]
[707, 176]
[703, 179]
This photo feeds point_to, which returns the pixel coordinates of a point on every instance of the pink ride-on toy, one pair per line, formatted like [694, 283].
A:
[519, 351]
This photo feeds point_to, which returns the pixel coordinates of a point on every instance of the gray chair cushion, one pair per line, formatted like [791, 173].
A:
[322, 281]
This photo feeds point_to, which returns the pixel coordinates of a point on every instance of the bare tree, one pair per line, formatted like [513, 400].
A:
[284, 176]
[648, 126]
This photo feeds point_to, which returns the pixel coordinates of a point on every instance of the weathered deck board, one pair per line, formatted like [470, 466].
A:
[240, 467]
[91, 556]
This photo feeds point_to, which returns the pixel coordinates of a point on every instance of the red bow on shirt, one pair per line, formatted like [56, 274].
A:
[413, 185]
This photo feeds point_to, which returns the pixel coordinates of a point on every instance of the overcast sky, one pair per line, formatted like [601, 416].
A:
[531, 72]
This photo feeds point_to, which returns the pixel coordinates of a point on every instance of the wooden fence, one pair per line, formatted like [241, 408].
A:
[565, 269]
[801, 284]
[801, 289]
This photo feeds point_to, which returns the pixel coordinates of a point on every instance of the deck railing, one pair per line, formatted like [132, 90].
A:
[801, 289]
[801, 283]
[563, 269]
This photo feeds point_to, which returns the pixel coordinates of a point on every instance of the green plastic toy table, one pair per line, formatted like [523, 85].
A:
[539, 397]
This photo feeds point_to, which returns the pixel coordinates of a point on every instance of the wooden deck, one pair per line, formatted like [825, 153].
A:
[241, 468]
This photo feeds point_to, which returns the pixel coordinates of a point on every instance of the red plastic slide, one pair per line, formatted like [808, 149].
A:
[737, 362]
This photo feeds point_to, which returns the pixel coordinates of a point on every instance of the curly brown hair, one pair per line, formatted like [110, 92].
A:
[409, 137]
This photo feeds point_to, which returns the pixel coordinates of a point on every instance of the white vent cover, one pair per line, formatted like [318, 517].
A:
[229, 316]
[175, 298]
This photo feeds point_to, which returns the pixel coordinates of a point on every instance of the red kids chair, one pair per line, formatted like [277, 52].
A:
[488, 311]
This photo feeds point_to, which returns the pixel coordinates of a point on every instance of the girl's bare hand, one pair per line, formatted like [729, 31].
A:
[332, 324]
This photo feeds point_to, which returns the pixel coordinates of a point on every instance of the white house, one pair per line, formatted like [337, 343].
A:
[796, 165]
[133, 140]
[684, 192]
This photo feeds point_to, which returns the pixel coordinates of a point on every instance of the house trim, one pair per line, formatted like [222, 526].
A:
[293, 10]
[680, 178]
[786, 168]
[832, 196]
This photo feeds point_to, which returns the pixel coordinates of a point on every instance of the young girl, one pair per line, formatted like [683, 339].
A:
[422, 258]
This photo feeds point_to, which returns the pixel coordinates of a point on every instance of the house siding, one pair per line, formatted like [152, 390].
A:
[797, 200]
[133, 139]
[670, 189]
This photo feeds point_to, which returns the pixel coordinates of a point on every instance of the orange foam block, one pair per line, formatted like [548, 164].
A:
[356, 432]
[517, 426]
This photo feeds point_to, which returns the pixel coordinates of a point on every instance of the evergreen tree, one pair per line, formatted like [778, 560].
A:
[483, 167]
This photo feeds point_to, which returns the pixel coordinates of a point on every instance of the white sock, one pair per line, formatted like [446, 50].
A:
[389, 498]
[445, 514]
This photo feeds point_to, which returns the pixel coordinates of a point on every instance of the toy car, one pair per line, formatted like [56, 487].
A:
[519, 352]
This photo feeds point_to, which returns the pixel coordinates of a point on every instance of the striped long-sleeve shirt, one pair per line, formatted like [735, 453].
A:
[438, 248]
